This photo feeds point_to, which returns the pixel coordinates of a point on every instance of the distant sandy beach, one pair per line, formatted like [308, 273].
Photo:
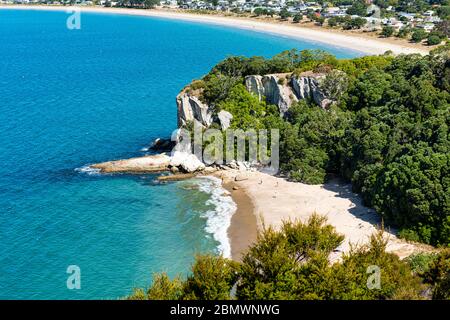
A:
[360, 43]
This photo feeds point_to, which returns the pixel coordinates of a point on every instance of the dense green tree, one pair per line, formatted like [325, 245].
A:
[444, 12]
[354, 23]
[248, 111]
[444, 27]
[387, 31]
[298, 17]
[404, 32]
[284, 14]
[418, 35]
[358, 8]
[438, 274]
[211, 279]
[433, 40]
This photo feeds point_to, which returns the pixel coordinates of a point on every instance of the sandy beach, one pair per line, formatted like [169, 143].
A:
[357, 42]
[243, 229]
[274, 200]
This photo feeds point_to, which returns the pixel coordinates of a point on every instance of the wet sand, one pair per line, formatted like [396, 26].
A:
[243, 229]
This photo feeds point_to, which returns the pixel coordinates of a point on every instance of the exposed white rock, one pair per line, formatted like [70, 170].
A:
[188, 161]
[190, 108]
[269, 86]
[281, 90]
[325, 103]
[278, 94]
[225, 119]
[182, 140]
[302, 87]
[309, 87]
[254, 85]
[241, 166]
[282, 93]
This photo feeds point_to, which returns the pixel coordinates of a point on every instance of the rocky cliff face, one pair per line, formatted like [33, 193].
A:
[271, 87]
[281, 90]
[190, 108]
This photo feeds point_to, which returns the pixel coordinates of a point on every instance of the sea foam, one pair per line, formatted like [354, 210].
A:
[218, 220]
[88, 170]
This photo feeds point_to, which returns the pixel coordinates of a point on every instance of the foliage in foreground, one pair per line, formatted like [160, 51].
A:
[439, 274]
[293, 264]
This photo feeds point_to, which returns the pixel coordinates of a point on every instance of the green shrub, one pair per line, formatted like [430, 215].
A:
[293, 263]
[297, 18]
[165, 289]
[211, 279]
[433, 40]
[418, 35]
[284, 264]
[162, 288]
[396, 278]
[438, 275]
[421, 262]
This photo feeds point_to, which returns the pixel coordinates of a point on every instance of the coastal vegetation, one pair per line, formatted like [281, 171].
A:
[386, 132]
[293, 263]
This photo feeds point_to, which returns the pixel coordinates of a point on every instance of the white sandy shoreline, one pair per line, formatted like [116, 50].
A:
[346, 41]
[275, 200]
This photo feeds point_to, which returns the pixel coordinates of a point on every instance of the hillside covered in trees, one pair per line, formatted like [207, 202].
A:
[386, 133]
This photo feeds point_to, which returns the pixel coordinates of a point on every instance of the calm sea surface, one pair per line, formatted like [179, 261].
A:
[69, 98]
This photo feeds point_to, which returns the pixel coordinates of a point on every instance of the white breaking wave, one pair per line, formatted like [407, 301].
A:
[218, 220]
[88, 170]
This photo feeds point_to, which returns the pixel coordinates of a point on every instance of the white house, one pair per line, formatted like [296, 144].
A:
[426, 26]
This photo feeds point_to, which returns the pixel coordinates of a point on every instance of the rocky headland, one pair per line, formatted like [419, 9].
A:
[271, 199]
[281, 90]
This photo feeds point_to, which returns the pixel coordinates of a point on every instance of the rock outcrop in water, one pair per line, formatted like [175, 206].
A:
[147, 164]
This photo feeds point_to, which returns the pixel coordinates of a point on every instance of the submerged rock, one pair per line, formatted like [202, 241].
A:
[162, 145]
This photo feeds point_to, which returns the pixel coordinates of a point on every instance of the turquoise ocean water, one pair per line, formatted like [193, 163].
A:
[69, 98]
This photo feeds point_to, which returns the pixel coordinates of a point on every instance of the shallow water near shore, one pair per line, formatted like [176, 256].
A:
[69, 98]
